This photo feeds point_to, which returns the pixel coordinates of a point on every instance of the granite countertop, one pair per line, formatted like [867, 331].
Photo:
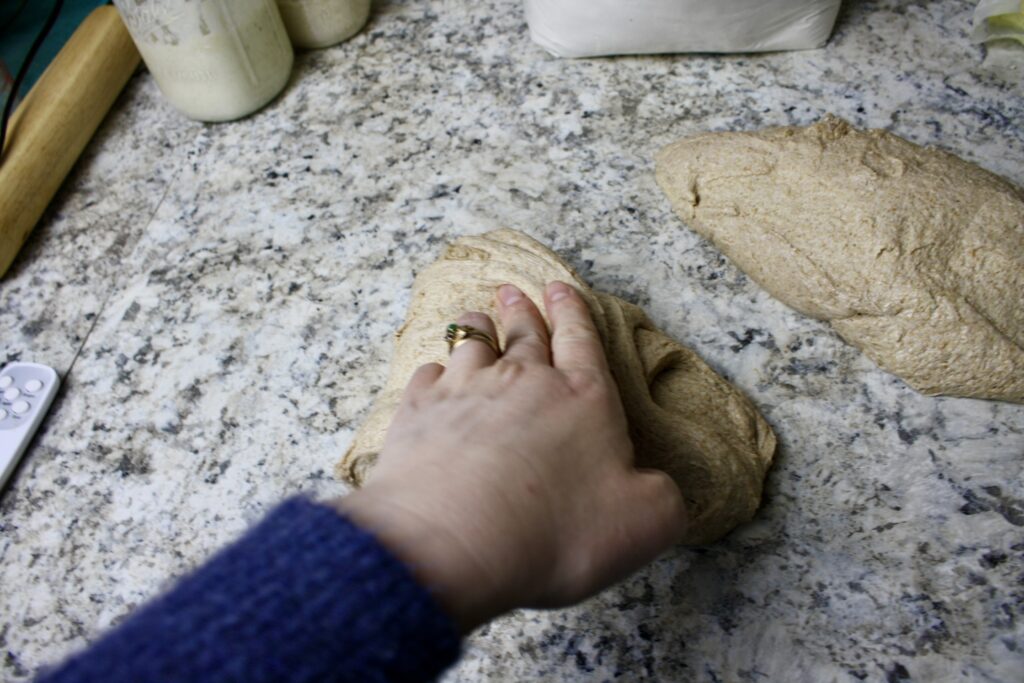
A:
[220, 300]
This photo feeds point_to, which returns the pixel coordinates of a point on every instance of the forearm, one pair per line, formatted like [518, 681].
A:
[304, 596]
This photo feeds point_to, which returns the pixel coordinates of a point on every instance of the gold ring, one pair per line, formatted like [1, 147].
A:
[456, 335]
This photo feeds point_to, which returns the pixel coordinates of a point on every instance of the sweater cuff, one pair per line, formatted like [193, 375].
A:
[304, 596]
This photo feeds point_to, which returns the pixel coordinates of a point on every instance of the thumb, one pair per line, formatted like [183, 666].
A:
[659, 518]
[647, 516]
[650, 518]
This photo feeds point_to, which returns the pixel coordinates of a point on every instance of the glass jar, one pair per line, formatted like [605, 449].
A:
[319, 23]
[214, 60]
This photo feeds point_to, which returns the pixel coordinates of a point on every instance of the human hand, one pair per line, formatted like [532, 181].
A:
[509, 482]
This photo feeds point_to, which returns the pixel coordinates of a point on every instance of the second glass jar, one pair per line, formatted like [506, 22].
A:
[320, 23]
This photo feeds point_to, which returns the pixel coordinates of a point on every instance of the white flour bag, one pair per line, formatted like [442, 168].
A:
[589, 28]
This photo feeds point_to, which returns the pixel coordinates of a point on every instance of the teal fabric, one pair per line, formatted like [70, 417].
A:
[20, 22]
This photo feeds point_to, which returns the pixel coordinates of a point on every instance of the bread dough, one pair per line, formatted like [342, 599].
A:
[684, 419]
[912, 254]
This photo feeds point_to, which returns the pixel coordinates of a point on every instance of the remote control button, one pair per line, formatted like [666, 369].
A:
[6, 381]
[3, 414]
[33, 385]
[12, 394]
[20, 407]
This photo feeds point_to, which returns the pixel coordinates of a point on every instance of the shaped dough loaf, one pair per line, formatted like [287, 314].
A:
[912, 254]
[684, 419]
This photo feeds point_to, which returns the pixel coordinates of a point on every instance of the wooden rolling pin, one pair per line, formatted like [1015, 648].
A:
[52, 125]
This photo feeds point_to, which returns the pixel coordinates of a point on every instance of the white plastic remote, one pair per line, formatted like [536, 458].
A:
[26, 392]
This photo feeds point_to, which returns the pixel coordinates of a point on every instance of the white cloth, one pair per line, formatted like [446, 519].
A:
[588, 28]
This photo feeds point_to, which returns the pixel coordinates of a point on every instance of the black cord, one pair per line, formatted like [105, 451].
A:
[23, 71]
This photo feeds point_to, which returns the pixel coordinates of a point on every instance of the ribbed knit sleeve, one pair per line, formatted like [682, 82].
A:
[304, 596]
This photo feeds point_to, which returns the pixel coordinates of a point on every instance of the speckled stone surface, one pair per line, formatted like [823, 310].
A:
[221, 299]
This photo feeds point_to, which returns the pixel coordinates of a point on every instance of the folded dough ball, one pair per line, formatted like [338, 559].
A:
[913, 255]
[684, 419]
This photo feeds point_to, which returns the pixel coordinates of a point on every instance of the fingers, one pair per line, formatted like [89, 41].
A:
[526, 333]
[473, 354]
[424, 378]
[575, 343]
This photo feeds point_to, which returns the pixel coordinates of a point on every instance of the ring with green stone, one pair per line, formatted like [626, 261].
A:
[456, 335]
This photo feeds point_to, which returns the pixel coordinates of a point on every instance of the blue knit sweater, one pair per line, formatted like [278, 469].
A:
[304, 596]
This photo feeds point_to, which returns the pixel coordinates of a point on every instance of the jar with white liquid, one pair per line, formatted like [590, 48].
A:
[214, 60]
[320, 23]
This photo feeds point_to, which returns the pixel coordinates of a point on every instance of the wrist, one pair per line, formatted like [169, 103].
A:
[445, 564]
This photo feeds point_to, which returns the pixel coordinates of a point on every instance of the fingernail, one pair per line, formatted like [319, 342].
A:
[558, 291]
[509, 295]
